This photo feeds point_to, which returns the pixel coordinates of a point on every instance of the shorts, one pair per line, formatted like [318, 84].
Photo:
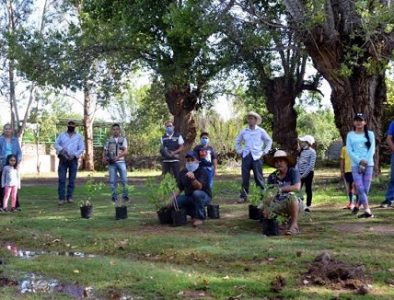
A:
[349, 178]
[282, 207]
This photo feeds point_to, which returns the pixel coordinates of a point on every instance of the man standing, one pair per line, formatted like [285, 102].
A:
[193, 180]
[256, 143]
[389, 198]
[171, 147]
[69, 147]
[115, 150]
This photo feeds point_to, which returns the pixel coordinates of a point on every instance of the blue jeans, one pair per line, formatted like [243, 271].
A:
[211, 175]
[390, 188]
[114, 169]
[248, 163]
[72, 167]
[194, 204]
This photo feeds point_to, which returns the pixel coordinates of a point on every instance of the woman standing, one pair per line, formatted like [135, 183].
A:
[360, 144]
[9, 144]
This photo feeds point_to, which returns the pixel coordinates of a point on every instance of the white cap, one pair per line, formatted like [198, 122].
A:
[307, 138]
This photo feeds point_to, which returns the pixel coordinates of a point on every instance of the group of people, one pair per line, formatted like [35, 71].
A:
[196, 179]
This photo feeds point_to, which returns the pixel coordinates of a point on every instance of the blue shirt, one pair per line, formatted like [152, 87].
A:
[357, 149]
[72, 144]
[5, 147]
[256, 141]
[391, 130]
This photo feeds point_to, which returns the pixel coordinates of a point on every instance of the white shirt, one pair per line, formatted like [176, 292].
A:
[255, 141]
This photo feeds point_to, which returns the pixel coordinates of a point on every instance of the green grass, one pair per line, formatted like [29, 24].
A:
[226, 258]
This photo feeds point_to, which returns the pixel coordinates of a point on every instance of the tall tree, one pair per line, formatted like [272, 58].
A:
[350, 43]
[180, 41]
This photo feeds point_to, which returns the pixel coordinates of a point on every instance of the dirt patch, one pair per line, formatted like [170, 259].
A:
[190, 294]
[278, 284]
[4, 282]
[326, 271]
[355, 227]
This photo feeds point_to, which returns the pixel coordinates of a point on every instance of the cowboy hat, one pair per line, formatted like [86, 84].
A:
[256, 115]
[270, 158]
[307, 138]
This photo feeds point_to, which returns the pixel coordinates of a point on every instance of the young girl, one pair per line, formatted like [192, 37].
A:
[360, 144]
[347, 176]
[306, 166]
[10, 181]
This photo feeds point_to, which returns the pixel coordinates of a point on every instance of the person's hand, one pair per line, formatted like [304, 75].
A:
[190, 175]
[363, 162]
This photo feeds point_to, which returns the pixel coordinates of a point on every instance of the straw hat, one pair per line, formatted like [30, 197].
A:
[256, 115]
[269, 159]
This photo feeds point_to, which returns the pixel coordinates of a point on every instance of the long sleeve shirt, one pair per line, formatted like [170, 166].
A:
[255, 141]
[72, 144]
[358, 150]
[306, 161]
[10, 177]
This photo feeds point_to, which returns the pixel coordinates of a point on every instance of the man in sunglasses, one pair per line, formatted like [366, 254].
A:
[171, 146]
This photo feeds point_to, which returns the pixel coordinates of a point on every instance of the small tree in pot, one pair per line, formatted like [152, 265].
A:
[121, 206]
[93, 188]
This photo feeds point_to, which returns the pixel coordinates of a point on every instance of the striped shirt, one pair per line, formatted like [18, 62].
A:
[306, 161]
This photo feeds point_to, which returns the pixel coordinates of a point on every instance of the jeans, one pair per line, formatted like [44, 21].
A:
[194, 204]
[248, 163]
[390, 188]
[114, 169]
[211, 175]
[363, 183]
[71, 166]
[308, 180]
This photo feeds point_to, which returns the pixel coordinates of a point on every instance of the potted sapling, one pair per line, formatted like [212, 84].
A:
[121, 206]
[92, 188]
[255, 197]
[213, 211]
[178, 216]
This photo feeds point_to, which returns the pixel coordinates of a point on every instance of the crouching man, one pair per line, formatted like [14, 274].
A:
[193, 180]
[287, 179]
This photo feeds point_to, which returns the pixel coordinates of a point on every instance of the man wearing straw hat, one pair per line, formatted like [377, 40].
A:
[287, 179]
[252, 143]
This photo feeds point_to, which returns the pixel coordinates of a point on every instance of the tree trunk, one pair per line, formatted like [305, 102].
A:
[280, 102]
[181, 103]
[88, 118]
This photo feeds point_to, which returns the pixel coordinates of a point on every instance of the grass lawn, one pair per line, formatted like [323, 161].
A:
[227, 258]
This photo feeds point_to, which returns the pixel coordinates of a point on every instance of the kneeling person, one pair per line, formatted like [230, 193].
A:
[285, 202]
[194, 182]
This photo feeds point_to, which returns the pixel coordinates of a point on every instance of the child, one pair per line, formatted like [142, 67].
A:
[10, 181]
[306, 166]
[360, 144]
[207, 157]
[346, 174]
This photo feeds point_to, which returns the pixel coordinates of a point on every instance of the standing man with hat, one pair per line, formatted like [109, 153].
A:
[252, 143]
[170, 149]
[306, 166]
[69, 147]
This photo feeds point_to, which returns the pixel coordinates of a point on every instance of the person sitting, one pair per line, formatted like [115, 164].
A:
[287, 179]
[194, 182]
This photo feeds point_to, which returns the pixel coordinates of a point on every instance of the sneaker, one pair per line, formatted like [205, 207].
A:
[386, 203]
[61, 202]
[355, 210]
[13, 209]
[197, 222]
[125, 199]
[307, 209]
[242, 200]
[70, 200]
[114, 200]
[365, 215]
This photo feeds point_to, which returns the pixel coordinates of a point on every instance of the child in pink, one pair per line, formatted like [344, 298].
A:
[10, 181]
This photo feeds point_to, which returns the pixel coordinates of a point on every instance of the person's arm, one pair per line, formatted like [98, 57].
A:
[181, 144]
[124, 151]
[295, 182]
[3, 177]
[267, 141]
[311, 164]
[238, 142]
[196, 184]
[389, 141]
[371, 150]
[58, 147]
[18, 152]
[352, 154]
[80, 147]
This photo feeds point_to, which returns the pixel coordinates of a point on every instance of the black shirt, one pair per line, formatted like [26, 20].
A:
[206, 155]
[185, 183]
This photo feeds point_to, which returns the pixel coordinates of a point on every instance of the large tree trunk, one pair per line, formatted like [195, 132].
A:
[88, 118]
[181, 103]
[280, 102]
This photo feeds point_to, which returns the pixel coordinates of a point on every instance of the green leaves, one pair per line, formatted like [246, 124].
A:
[159, 195]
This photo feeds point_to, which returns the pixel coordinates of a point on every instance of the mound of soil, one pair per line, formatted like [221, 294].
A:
[327, 271]
[7, 282]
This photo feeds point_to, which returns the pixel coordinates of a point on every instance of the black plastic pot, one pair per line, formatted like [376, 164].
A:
[213, 211]
[270, 227]
[179, 217]
[86, 212]
[121, 212]
[164, 215]
[254, 212]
